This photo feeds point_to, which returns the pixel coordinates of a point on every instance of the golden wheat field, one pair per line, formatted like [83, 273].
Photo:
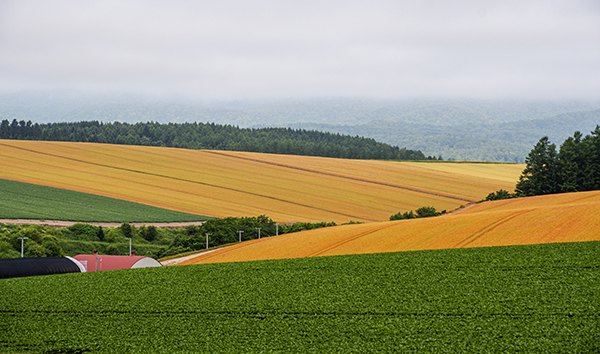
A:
[543, 219]
[218, 183]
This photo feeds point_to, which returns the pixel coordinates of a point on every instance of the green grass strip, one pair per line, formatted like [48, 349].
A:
[20, 200]
[540, 298]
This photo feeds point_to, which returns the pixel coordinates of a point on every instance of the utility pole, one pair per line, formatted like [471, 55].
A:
[22, 239]
[129, 238]
[276, 229]
[240, 232]
[207, 240]
[258, 228]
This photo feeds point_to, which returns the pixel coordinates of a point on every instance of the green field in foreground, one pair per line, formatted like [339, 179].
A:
[541, 298]
[30, 201]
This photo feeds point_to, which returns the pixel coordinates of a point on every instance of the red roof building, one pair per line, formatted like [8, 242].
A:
[106, 262]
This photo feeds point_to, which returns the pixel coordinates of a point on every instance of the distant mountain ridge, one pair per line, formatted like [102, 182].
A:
[503, 142]
[456, 129]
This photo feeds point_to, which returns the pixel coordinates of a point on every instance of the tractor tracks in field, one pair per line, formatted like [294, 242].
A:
[467, 241]
[337, 175]
[241, 191]
[324, 250]
[173, 178]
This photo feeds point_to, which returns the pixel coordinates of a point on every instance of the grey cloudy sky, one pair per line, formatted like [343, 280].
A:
[232, 49]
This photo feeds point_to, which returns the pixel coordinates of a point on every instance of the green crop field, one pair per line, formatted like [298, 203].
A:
[536, 298]
[30, 201]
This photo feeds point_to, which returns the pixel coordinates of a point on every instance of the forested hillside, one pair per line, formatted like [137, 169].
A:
[473, 130]
[211, 136]
[476, 141]
[66, 106]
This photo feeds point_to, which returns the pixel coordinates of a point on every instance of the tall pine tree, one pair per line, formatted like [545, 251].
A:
[540, 176]
[571, 163]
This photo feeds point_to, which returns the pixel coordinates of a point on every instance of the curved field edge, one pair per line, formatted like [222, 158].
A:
[566, 217]
[30, 201]
[283, 187]
[539, 298]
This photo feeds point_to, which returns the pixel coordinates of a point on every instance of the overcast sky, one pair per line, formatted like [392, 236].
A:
[234, 49]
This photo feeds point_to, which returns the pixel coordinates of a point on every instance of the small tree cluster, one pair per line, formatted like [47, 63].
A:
[574, 168]
[422, 212]
[500, 195]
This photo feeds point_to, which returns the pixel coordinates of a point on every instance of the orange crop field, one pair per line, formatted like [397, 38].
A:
[219, 183]
[568, 217]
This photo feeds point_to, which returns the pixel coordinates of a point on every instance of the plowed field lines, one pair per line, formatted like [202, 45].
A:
[284, 187]
[470, 239]
[386, 184]
[348, 240]
[188, 181]
[570, 217]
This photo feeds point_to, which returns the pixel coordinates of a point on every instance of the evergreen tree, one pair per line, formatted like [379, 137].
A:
[100, 233]
[571, 163]
[540, 176]
[591, 171]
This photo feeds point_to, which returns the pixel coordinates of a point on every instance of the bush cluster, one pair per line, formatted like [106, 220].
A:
[422, 212]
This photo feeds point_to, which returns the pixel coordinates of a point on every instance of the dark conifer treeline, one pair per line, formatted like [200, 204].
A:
[212, 136]
[574, 168]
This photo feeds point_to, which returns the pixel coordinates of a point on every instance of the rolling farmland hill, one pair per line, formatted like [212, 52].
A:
[284, 187]
[518, 299]
[543, 219]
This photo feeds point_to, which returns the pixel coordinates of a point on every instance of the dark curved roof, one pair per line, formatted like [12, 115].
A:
[26, 267]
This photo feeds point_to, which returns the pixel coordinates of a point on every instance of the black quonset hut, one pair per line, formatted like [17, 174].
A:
[26, 267]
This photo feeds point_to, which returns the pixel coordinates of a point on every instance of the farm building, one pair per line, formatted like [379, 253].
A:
[106, 262]
[31, 266]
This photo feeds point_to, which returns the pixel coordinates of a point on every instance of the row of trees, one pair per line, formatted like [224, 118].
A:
[232, 229]
[44, 241]
[212, 136]
[575, 167]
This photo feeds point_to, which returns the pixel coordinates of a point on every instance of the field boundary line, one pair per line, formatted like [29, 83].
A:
[332, 174]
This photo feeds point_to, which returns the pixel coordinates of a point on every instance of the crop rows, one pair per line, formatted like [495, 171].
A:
[553, 218]
[500, 299]
[29, 201]
[223, 184]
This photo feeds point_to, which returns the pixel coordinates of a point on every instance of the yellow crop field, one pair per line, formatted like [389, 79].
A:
[544, 219]
[284, 187]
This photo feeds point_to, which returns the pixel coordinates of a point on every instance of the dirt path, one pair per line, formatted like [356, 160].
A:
[175, 261]
[460, 209]
[59, 223]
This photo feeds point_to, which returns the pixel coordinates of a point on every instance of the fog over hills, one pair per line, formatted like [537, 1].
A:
[456, 129]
